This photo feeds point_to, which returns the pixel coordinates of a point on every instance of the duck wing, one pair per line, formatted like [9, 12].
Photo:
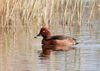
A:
[59, 37]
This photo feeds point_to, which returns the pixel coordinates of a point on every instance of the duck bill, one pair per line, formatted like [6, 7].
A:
[37, 35]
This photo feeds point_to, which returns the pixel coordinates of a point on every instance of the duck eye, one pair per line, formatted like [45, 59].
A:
[43, 31]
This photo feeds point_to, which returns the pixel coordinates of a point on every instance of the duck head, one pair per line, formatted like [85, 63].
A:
[44, 32]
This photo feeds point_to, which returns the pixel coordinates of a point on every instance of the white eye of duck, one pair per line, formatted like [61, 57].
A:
[43, 31]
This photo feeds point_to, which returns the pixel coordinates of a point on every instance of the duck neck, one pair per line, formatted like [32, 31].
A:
[47, 35]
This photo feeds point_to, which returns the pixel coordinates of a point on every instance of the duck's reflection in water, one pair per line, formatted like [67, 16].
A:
[48, 49]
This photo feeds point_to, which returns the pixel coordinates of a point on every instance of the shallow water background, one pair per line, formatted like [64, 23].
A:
[21, 53]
